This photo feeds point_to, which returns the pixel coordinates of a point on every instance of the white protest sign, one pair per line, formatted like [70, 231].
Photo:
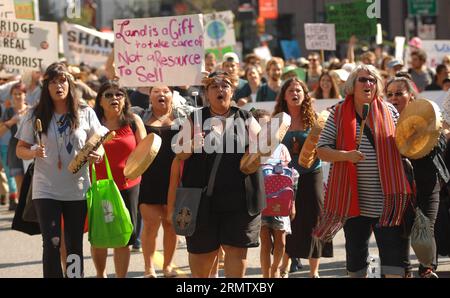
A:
[399, 47]
[219, 30]
[27, 44]
[263, 53]
[436, 50]
[320, 37]
[86, 45]
[318, 105]
[159, 51]
[379, 37]
[7, 10]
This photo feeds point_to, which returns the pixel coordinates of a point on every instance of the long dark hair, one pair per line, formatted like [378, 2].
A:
[45, 107]
[307, 111]
[126, 117]
[334, 92]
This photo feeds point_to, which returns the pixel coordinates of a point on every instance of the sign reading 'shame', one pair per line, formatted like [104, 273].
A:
[159, 51]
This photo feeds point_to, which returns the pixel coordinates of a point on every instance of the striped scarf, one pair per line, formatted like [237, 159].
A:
[341, 197]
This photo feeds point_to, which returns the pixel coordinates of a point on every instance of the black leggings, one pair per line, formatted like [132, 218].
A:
[49, 212]
[428, 187]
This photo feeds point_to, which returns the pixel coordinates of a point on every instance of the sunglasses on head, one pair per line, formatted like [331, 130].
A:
[365, 80]
[398, 94]
[110, 95]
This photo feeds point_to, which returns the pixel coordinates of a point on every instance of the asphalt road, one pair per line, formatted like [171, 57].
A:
[21, 255]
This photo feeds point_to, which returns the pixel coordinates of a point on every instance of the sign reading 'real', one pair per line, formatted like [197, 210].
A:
[159, 51]
[27, 44]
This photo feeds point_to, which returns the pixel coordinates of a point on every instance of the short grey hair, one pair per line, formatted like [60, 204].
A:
[349, 87]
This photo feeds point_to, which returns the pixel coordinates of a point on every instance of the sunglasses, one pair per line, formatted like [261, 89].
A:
[109, 95]
[313, 59]
[397, 94]
[365, 80]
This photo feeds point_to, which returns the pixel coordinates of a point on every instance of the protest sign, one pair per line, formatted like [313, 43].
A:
[320, 37]
[7, 10]
[27, 44]
[263, 53]
[351, 19]
[159, 51]
[400, 47]
[27, 9]
[86, 45]
[319, 105]
[290, 49]
[219, 30]
[268, 9]
[436, 50]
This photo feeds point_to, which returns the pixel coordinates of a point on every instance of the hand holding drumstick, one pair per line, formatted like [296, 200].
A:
[40, 150]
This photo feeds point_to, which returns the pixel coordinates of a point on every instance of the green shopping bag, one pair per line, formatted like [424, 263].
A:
[109, 219]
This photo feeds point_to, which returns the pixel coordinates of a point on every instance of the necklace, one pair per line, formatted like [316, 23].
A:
[218, 114]
[59, 141]
[163, 117]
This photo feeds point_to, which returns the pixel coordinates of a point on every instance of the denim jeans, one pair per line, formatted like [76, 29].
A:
[49, 212]
[4, 156]
[393, 248]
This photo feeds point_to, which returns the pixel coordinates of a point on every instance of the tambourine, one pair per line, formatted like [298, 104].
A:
[94, 142]
[142, 156]
[308, 154]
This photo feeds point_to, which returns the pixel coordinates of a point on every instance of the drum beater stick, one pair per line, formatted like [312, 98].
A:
[39, 131]
[365, 112]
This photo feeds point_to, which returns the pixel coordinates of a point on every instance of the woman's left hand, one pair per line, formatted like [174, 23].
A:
[94, 157]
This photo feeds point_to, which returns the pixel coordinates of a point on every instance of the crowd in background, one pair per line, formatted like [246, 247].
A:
[293, 85]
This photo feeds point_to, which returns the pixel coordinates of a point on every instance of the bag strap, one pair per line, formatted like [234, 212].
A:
[108, 170]
[212, 177]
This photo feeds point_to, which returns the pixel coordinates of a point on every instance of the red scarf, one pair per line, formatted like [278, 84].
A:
[341, 197]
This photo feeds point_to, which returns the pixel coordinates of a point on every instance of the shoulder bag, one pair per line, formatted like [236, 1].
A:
[188, 200]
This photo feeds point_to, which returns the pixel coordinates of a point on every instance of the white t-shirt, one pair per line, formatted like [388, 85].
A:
[48, 181]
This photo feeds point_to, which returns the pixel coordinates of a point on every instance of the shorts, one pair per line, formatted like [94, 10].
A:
[237, 229]
[278, 223]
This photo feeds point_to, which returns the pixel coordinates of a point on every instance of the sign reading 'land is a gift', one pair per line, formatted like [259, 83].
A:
[159, 51]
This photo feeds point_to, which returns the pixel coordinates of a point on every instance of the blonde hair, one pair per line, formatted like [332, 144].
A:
[273, 61]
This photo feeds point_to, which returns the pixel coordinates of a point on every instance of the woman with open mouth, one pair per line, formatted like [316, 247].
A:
[66, 126]
[295, 101]
[224, 218]
[429, 170]
[112, 107]
[159, 119]
[368, 189]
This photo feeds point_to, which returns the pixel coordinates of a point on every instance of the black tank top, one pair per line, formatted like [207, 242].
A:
[155, 180]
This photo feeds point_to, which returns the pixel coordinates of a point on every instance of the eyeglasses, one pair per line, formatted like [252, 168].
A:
[109, 95]
[397, 94]
[365, 80]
